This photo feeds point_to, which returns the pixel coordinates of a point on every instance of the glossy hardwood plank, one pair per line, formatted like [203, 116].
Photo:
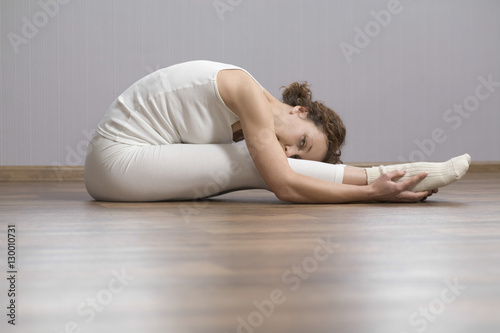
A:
[203, 266]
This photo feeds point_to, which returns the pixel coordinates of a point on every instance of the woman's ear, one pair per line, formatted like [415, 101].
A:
[302, 111]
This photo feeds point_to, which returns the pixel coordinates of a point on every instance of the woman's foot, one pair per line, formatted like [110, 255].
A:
[438, 174]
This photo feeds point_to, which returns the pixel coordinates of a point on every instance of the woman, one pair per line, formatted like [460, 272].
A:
[172, 134]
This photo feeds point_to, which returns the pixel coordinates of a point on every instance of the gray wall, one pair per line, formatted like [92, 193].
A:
[410, 88]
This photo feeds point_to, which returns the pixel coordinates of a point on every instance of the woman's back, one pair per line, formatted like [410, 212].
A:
[177, 104]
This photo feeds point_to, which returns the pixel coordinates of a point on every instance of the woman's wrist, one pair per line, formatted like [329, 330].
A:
[369, 192]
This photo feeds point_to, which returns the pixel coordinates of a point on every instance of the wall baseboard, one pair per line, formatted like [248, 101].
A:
[43, 173]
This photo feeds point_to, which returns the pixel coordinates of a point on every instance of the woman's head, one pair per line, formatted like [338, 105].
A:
[325, 119]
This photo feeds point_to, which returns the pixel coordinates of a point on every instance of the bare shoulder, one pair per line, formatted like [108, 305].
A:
[233, 83]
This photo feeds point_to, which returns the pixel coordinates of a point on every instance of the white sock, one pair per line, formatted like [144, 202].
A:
[439, 174]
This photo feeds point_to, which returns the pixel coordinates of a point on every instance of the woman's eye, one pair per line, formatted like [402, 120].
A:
[303, 142]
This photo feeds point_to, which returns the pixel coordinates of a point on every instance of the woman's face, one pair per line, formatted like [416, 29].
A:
[301, 138]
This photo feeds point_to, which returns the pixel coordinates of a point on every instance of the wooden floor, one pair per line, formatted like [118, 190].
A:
[246, 262]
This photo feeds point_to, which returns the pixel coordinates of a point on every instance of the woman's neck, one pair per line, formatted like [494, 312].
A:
[278, 108]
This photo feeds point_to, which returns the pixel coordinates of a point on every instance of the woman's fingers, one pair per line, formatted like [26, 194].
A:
[401, 190]
[410, 182]
[394, 174]
[417, 196]
[390, 189]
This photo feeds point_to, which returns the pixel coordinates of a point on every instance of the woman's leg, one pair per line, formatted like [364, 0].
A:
[354, 176]
[121, 172]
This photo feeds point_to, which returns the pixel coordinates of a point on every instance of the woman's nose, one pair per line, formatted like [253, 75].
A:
[289, 151]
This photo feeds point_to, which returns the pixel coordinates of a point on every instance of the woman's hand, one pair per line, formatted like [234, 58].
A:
[385, 189]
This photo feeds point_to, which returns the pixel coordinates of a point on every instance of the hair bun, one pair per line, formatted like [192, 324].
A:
[297, 94]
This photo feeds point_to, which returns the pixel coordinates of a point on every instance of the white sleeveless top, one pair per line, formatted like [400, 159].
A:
[177, 104]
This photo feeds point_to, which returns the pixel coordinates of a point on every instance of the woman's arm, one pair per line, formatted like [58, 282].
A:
[245, 98]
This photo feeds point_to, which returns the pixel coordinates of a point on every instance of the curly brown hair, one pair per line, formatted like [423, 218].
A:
[323, 117]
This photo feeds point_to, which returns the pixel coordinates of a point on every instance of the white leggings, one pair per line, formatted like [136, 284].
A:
[116, 171]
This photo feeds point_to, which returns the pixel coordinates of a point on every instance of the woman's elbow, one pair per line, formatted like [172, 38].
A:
[285, 192]
[284, 189]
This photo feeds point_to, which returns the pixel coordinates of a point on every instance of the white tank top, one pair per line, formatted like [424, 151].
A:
[177, 104]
